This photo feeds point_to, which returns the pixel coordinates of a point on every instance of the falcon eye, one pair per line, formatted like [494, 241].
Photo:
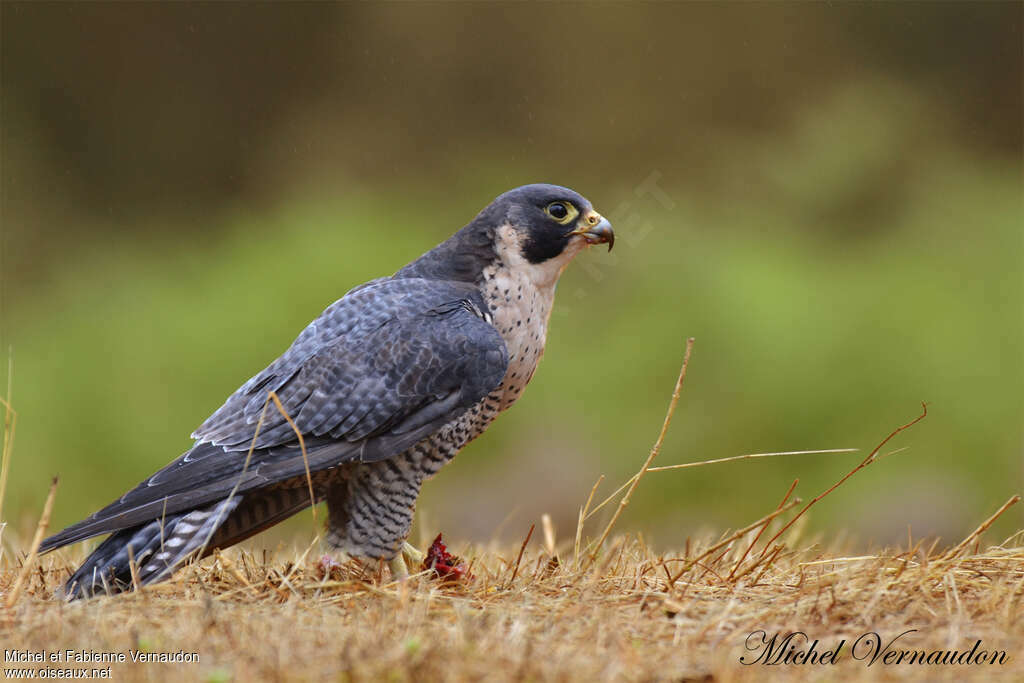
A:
[563, 212]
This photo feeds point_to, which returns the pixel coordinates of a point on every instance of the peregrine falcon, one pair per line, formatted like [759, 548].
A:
[385, 387]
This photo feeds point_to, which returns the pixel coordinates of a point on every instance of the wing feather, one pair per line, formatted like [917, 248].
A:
[378, 371]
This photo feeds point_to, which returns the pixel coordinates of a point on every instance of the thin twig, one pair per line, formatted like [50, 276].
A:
[549, 534]
[981, 529]
[133, 569]
[767, 563]
[761, 531]
[44, 522]
[716, 461]
[685, 465]
[238, 482]
[580, 522]
[10, 422]
[864, 463]
[519, 559]
[654, 451]
[302, 445]
[767, 518]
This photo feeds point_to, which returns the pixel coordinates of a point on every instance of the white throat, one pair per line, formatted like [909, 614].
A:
[521, 295]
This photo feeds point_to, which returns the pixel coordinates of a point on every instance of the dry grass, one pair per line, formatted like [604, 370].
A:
[255, 618]
[610, 609]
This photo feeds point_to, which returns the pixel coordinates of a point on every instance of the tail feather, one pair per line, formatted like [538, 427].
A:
[163, 545]
[260, 511]
[157, 548]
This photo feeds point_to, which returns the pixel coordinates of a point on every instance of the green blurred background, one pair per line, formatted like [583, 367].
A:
[827, 196]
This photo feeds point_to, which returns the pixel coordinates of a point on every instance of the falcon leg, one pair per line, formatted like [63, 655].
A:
[370, 512]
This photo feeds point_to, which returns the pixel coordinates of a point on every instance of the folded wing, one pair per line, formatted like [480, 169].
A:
[378, 371]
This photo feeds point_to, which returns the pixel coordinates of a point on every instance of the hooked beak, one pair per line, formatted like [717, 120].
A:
[596, 229]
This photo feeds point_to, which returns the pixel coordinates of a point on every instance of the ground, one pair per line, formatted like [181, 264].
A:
[585, 608]
[630, 614]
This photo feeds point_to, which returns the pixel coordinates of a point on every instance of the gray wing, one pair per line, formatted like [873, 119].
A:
[378, 371]
[360, 363]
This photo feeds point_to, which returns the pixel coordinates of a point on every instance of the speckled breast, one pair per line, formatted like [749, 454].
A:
[520, 313]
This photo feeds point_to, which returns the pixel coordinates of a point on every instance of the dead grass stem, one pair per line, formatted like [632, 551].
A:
[628, 613]
[653, 454]
[286, 617]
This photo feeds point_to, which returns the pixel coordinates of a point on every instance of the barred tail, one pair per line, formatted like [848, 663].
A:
[157, 548]
[164, 545]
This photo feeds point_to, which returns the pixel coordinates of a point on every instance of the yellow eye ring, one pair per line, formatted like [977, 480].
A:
[563, 212]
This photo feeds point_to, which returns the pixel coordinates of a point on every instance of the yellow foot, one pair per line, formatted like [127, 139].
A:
[407, 557]
[398, 568]
[414, 556]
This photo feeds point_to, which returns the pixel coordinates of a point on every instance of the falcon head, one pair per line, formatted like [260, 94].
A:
[534, 229]
[547, 223]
